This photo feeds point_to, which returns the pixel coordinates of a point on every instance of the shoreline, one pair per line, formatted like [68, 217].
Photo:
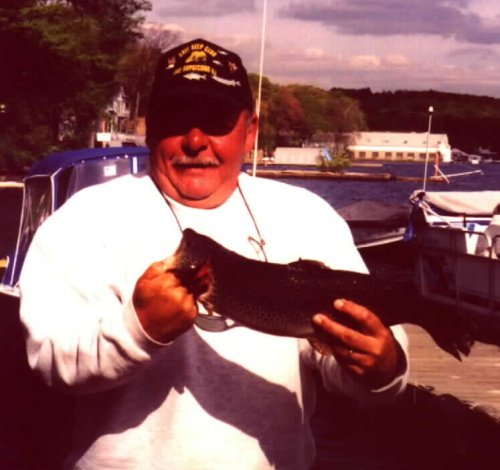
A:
[351, 176]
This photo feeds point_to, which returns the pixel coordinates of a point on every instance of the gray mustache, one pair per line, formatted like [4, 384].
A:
[199, 160]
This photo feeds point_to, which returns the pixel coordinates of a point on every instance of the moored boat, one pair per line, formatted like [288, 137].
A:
[458, 249]
[53, 180]
[375, 223]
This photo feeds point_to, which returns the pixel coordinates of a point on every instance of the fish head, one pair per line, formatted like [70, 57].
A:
[192, 263]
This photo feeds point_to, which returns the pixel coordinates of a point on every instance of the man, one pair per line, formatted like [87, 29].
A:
[107, 320]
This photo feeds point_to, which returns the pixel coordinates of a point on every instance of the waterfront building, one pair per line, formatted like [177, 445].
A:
[398, 146]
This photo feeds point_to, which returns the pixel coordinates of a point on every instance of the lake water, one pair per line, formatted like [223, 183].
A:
[340, 193]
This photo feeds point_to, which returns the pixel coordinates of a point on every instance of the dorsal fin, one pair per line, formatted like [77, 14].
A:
[307, 263]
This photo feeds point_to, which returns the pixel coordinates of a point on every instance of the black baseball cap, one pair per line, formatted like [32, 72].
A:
[198, 70]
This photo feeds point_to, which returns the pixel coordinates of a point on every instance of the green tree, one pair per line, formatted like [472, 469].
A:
[326, 114]
[61, 72]
[313, 101]
[137, 66]
[291, 115]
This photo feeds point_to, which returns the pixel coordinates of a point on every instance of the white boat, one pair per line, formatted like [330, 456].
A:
[457, 239]
[475, 159]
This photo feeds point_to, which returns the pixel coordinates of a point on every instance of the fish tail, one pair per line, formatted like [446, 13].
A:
[451, 330]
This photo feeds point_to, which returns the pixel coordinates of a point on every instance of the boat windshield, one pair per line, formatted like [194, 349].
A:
[37, 206]
[90, 172]
[44, 194]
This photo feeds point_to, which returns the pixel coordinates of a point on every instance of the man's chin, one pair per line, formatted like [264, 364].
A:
[196, 194]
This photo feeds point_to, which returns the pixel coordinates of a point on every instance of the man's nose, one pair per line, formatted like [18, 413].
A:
[194, 141]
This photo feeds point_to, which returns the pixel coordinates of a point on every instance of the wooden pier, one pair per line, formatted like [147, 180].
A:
[447, 419]
[347, 175]
[475, 379]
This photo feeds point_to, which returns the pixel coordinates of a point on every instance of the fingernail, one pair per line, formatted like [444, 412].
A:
[318, 319]
[339, 303]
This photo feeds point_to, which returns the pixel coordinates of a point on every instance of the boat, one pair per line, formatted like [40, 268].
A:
[52, 181]
[375, 223]
[457, 249]
[475, 159]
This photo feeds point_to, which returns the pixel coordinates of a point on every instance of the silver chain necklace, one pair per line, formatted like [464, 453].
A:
[259, 242]
[217, 323]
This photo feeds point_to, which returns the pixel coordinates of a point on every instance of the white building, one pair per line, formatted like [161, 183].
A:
[384, 146]
[410, 146]
[298, 155]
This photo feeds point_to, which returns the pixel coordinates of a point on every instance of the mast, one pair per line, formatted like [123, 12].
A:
[259, 92]
[431, 110]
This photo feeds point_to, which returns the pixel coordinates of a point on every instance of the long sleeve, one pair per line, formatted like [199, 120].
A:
[82, 330]
[335, 378]
[330, 241]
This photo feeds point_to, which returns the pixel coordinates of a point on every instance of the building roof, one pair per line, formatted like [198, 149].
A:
[399, 139]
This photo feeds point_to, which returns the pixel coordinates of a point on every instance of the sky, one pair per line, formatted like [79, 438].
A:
[385, 45]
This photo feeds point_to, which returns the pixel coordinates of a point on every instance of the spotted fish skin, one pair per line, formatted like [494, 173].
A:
[281, 299]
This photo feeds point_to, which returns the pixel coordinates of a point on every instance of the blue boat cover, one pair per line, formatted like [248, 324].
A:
[60, 160]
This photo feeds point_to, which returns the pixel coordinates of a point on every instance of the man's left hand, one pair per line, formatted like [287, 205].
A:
[369, 350]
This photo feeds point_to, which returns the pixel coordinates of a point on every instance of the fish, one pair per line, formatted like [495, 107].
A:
[281, 299]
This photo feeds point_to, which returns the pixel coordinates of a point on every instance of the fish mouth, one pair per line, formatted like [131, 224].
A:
[194, 274]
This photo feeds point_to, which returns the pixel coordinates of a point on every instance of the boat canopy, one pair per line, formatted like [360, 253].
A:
[468, 203]
[56, 162]
[373, 213]
[54, 179]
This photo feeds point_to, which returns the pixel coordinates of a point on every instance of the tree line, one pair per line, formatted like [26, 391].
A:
[60, 61]
[470, 121]
[64, 60]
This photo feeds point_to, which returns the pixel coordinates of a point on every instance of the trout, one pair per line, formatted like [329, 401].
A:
[281, 299]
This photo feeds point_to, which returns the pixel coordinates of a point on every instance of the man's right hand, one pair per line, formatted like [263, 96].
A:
[163, 305]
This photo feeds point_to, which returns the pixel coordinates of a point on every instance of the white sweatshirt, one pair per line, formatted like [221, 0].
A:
[211, 400]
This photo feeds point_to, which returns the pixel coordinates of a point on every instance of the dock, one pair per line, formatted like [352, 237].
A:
[11, 184]
[347, 175]
[448, 417]
[474, 380]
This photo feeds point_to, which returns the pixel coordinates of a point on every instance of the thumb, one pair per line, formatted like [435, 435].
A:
[158, 268]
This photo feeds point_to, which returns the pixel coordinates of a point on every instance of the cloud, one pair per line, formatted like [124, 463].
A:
[445, 18]
[476, 58]
[475, 53]
[195, 8]
[365, 62]
[327, 69]
[397, 60]
[314, 53]
[173, 27]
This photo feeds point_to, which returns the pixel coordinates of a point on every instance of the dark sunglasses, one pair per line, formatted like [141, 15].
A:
[213, 118]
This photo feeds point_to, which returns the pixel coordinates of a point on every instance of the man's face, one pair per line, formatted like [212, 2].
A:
[199, 156]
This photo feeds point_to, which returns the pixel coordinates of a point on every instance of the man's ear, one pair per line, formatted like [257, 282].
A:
[252, 129]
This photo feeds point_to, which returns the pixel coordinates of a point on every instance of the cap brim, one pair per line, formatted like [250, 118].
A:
[193, 91]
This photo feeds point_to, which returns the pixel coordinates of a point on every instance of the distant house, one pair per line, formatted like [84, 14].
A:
[297, 155]
[410, 146]
[115, 128]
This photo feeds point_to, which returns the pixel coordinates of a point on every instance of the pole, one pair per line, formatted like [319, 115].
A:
[259, 92]
[431, 110]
